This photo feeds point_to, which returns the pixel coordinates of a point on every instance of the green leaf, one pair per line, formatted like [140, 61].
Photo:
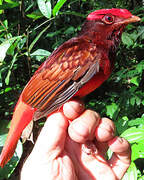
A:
[134, 134]
[122, 124]
[125, 118]
[40, 54]
[5, 23]
[21, 43]
[9, 4]
[11, 49]
[45, 7]
[111, 109]
[136, 121]
[70, 30]
[138, 100]
[4, 47]
[140, 67]
[131, 173]
[10, 1]
[7, 89]
[35, 15]
[55, 33]
[137, 151]
[126, 39]
[132, 100]
[1, 2]
[58, 6]
[10, 166]
[135, 80]
[109, 153]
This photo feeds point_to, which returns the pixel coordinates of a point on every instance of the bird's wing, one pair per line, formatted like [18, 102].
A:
[61, 76]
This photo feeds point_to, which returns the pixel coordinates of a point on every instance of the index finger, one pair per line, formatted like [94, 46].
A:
[52, 135]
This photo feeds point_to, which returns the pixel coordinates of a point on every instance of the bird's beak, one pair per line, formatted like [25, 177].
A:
[128, 20]
[131, 19]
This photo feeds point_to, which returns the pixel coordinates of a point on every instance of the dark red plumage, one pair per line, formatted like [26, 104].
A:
[76, 68]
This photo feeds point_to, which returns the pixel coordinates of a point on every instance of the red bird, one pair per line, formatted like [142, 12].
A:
[76, 68]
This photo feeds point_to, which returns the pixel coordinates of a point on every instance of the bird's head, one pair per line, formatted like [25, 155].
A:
[108, 23]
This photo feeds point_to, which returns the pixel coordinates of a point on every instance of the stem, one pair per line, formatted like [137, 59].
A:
[73, 13]
[41, 24]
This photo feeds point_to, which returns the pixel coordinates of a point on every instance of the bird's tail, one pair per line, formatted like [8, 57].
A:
[22, 116]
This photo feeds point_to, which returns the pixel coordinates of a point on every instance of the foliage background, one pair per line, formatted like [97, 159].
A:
[30, 30]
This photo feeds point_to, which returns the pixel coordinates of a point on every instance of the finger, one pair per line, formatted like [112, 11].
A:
[121, 158]
[83, 127]
[105, 130]
[73, 108]
[89, 166]
[52, 137]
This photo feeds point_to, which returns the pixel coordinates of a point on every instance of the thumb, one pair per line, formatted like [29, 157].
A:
[53, 134]
[48, 147]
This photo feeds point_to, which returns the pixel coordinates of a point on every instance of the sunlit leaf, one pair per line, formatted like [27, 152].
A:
[10, 4]
[35, 15]
[8, 89]
[135, 80]
[58, 6]
[45, 7]
[131, 173]
[1, 2]
[10, 1]
[136, 121]
[137, 151]
[40, 52]
[5, 23]
[134, 134]
[4, 47]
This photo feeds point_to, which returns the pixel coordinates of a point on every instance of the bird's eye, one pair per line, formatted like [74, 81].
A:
[108, 19]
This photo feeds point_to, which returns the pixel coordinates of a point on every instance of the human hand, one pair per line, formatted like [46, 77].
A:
[62, 148]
